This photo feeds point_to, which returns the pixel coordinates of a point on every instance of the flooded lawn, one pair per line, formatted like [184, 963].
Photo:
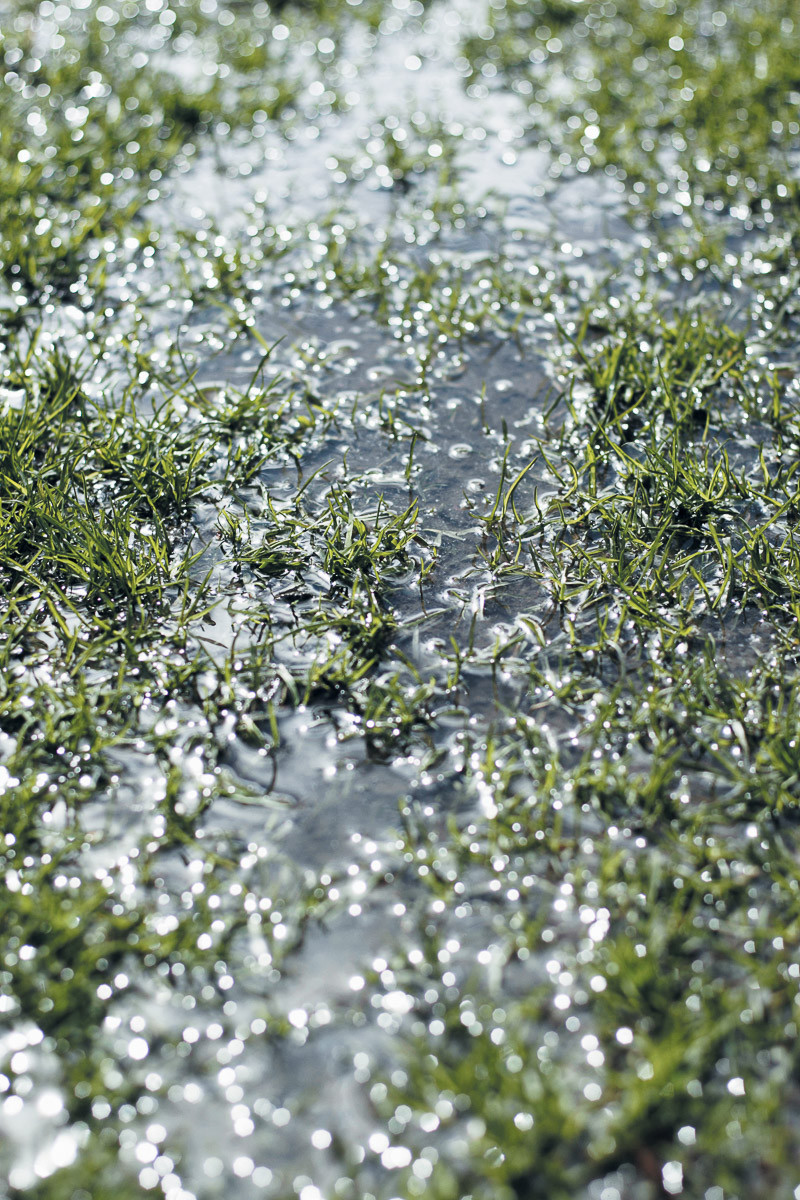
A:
[400, 568]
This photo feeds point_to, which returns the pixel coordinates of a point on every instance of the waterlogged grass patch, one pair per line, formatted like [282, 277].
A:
[400, 575]
[693, 105]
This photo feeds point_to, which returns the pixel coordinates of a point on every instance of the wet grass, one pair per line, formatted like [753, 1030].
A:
[232, 581]
[702, 97]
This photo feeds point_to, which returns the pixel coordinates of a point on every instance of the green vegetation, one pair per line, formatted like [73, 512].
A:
[697, 98]
[399, 678]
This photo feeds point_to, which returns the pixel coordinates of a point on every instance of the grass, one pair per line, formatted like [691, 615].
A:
[702, 99]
